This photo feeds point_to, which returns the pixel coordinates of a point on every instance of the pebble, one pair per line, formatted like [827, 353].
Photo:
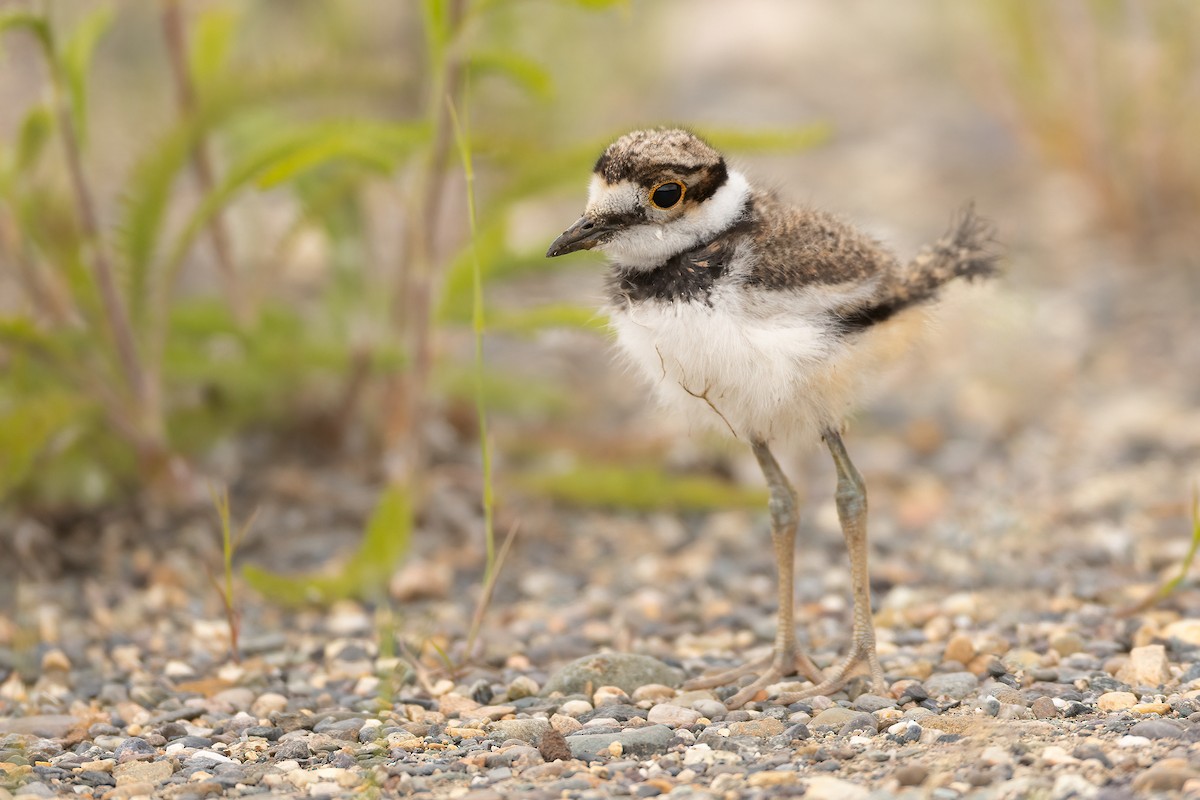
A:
[672, 715]
[637, 742]
[1147, 666]
[575, 708]
[758, 728]
[628, 671]
[955, 685]
[833, 718]
[527, 730]
[1116, 701]
[873, 702]
[911, 774]
[1157, 729]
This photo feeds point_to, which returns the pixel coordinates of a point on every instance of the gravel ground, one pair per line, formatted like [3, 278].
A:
[1029, 478]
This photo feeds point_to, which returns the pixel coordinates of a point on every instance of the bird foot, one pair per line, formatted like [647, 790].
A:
[771, 668]
[862, 651]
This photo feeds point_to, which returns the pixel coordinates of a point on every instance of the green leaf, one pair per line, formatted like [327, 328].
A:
[379, 146]
[639, 489]
[76, 61]
[31, 140]
[365, 575]
[211, 41]
[27, 427]
[557, 315]
[525, 73]
[35, 24]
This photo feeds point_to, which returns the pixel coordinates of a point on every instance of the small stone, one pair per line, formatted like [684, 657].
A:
[1132, 742]
[911, 774]
[1160, 778]
[134, 749]
[1116, 701]
[553, 746]
[995, 756]
[1150, 708]
[773, 777]
[152, 772]
[1157, 729]
[564, 724]
[1066, 643]
[293, 749]
[44, 726]
[55, 660]
[871, 703]
[528, 730]
[1044, 708]
[827, 787]
[453, 704]
[959, 648]
[268, 703]
[1185, 630]
[575, 708]
[653, 692]
[625, 670]
[237, 698]
[522, 686]
[672, 715]
[758, 728]
[1055, 756]
[710, 708]
[955, 685]
[635, 742]
[833, 718]
[1147, 666]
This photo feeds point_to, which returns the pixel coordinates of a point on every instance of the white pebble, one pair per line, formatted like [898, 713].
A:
[1132, 741]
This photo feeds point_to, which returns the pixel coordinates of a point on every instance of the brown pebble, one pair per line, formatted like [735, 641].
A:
[1159, 779]
[911, 774]
[960, 648]
[1043, 708]
[553, 746]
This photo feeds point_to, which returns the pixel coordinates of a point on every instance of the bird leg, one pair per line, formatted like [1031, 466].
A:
[786, 658]
[852, 511]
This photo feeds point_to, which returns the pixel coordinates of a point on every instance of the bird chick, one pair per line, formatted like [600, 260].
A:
[766, 320]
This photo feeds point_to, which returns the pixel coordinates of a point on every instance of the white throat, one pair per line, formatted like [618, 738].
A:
[648, 245]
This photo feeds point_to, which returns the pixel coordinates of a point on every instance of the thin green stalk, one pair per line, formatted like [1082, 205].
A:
[477, 320]
[1168, 588]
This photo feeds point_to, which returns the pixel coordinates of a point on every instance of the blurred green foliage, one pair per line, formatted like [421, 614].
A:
[129, 348]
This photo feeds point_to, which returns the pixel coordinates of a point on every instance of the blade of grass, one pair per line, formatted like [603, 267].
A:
[1168, 588]
[463, 143]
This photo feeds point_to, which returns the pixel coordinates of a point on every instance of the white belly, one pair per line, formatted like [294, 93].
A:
[783, 377]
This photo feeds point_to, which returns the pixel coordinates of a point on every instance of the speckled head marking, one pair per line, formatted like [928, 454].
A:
[651, 157]
[655, 194]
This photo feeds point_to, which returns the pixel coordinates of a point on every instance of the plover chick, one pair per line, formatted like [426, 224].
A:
[763, 319]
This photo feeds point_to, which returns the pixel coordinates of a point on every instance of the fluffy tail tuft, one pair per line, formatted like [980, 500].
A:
[968, 250]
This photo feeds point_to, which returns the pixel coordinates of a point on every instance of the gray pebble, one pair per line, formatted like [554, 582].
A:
[635, 742]
[132, 749]
[871, 703]
[955, 685]
[625, 670]
[1157, 729]
[293, 748]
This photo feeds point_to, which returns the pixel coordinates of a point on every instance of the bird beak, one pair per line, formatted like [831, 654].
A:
[583, 235]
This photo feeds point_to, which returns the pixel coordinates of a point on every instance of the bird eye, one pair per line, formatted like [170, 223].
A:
[666, 194]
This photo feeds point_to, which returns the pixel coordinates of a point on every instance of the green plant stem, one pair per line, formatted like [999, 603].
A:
[413, 302]
[477, 319]
[115, 313]
[185, 93]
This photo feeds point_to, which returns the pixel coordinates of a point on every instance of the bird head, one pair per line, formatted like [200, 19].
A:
[654, 194]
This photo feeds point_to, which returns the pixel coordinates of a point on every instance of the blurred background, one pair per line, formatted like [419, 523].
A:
[295, 249]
